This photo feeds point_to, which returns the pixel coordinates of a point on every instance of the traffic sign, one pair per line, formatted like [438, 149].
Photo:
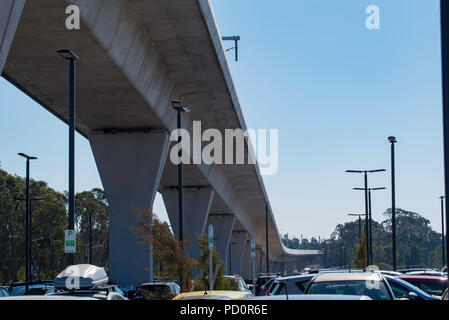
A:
[70, 241]
[211, 237]
[253, 248]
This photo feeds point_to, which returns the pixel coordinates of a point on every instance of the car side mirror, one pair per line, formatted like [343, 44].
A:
[413, 296]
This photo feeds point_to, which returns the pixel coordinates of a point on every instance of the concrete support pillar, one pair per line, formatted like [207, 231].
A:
[246, 263]
[197, 202]
[130, 167]
[10, 13]
[239, 239]
[223, 226]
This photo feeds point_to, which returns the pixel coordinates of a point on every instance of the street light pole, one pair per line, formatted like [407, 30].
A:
[177, 105]
[27, 223]
[370, 221]
[392, 141]
[71, 57]
[444, 8]
[90, 238]
[266, 236]
[365, 172]
[442, 230]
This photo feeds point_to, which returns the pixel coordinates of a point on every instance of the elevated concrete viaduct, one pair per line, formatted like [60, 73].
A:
[136, 56]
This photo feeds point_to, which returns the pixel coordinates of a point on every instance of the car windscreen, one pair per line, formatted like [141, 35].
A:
[376, 290]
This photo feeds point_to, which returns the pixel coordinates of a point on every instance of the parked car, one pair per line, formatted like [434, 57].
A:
[157, 291]
[405, 290]
[262, 280]
[431, 284]
[291, 285]
[214, 295]
[372, 284]
[89, 283]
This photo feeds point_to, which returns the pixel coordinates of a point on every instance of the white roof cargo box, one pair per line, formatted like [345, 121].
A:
[81, 276]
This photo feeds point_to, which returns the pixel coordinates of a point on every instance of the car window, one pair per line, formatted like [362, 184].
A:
[398, 290]
[431, 287]
[302, 285]
[287, 288]
[376, 290]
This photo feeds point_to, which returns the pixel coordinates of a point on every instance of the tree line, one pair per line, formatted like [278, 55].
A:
[418, 245]
[49, 220]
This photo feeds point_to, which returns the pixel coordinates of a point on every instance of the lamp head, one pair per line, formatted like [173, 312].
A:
[392, 139]
[26, 156]
[68, 54]
[177, 105]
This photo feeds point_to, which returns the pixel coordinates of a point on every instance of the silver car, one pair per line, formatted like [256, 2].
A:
[369, 283]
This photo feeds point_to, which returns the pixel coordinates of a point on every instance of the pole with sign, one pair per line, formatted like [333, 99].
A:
[70, 241]
[253, 258]
[211, 249]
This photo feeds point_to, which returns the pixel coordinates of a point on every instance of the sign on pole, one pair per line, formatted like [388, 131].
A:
[70, 241]
[211, 249]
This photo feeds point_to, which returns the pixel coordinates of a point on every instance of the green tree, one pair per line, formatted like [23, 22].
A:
[92, 204]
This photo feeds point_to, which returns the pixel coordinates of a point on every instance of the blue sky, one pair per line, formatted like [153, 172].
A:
[335, 91]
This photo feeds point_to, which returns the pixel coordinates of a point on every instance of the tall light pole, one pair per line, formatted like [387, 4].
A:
[392, 141]
[90, 237]
[72, 58]
[365, 172]
[370, 220]
[442, 230]
[177, 105]
[266, 236]
[27, 224]
[444, 8]
[360, 223]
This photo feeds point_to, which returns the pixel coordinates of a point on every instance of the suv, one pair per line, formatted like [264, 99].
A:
[369, 283]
